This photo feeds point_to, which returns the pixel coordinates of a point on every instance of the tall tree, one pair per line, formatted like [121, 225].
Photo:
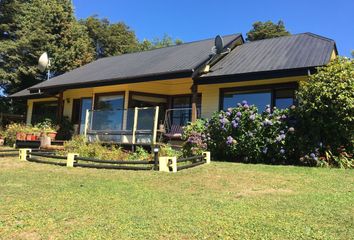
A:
[264, 30]
[165, 41]
[29, 28]
[110, 39]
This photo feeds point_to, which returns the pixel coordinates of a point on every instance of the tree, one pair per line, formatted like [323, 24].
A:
[110, 39]
[326, 106]
[29, 28]
[265, 30]
[165, 41]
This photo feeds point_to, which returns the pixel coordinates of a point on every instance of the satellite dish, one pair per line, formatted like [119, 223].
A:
[219, 44]
[43, 62]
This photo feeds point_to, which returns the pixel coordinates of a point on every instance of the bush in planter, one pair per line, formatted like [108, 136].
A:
[80, 145]
[47, 128]
[13, 130]
[326, 112]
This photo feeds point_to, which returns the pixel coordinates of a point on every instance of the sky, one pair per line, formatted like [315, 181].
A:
[201, 19]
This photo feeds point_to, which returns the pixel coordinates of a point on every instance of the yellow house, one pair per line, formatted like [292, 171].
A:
[186, 81]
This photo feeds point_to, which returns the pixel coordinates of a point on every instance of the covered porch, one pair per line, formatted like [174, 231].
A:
[136, 113]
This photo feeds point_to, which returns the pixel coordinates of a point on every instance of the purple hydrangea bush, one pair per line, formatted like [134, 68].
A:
[195, 138]
[246, 135]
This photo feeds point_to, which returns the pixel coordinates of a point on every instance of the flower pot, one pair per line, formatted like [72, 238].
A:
[34, 137]
[21, 136]
[29, 137]
[52, 135]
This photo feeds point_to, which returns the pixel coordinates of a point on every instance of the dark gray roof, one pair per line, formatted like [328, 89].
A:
[182, 58]
[25, 93]
[292, 52]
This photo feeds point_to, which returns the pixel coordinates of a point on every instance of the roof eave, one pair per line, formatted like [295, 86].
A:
[250, 76]
[117, 81]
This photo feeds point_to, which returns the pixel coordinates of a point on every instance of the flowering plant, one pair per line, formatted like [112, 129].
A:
[195, 137]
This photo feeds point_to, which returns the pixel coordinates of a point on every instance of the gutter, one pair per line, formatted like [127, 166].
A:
[125, 80]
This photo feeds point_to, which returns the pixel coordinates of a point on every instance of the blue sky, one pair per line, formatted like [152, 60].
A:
[195, 20]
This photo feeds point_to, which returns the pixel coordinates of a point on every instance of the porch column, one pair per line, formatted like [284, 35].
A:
[60, 107]
[194, 90]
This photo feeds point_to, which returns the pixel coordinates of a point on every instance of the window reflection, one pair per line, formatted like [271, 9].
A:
[110, 116]
[284, 98]
[260, 99]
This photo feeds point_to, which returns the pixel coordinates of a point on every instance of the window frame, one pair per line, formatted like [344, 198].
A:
[272, 88]
[45, 102]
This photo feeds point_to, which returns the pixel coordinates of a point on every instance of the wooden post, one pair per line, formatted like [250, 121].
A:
[206, 157]
[163, 164]
[60, 107]
[71, 159]
[173, 164]
[194, 90]
[135, 125]
[156, 120]
[23, 153]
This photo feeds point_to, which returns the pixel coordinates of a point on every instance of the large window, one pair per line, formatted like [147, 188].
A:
[109, 114]
[44, 110]
[281, 96]
[146, 117]
[260, 99]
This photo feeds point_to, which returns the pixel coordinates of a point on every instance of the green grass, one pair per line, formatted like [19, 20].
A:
[217, 201]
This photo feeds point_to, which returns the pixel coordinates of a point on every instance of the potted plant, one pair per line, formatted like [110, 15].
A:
[47, 129]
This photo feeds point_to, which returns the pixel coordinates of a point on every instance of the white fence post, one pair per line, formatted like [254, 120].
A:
[173, 164]
[206, 157]
[71, 159]
[23, 152]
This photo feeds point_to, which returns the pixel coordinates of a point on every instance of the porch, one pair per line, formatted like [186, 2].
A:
[140, 113]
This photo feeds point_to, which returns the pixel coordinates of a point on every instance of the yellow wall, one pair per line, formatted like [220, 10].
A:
[210, 93]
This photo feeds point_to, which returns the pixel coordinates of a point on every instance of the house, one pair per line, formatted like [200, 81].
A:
[187, 78]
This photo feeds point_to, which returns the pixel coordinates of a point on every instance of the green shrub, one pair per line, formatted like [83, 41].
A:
[167, 151]
[326, 111]
[80, 145]
[140, 154]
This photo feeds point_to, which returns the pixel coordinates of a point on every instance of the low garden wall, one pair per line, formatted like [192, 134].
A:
[164, 164]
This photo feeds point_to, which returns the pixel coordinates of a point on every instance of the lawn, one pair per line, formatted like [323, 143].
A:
[217, 201]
